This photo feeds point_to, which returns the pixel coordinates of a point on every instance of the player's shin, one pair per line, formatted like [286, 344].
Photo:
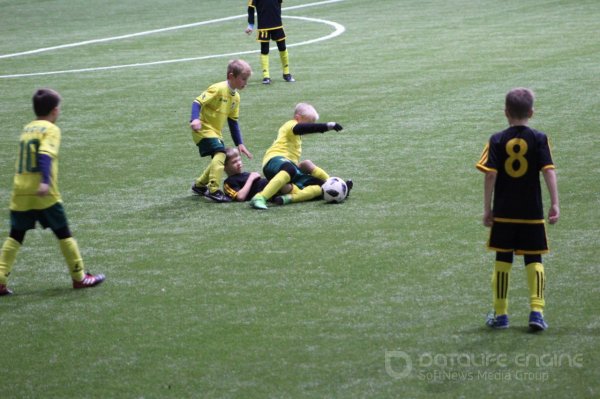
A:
[70, 251]
[306, 194]
[536, 282]
[8, 254]
[500, 281]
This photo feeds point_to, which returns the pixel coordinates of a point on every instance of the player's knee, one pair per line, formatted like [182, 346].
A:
[289, 169]
[306, 166]
[281, 45]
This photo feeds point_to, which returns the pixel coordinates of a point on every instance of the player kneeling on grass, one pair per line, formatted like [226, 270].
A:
[35, 196]
[281, 163]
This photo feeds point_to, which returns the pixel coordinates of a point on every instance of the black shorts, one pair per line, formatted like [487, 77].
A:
[266, 35]
[54, 217]
[520, 238]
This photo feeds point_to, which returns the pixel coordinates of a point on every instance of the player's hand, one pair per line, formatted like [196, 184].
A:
[43, 189]
[553, 214]
[253, 176]
[488, 218]
[334, 126]
[196, 125]
[249, 30]
[243, 150]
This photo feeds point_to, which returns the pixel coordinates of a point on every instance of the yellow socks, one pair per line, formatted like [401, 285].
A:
[500, 280]
[536, 282]
[306, 194]
[215, 172]
[285, 62]
[8, 255]
[264, 63]
[276, 183]
[319, 173]
[70, 251]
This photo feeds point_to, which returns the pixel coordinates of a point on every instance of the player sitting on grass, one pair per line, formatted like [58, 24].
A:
[35, 196]
[281, 161]
[512, 161]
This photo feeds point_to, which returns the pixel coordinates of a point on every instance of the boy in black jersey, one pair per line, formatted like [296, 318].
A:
[270, 27]
[512, 161]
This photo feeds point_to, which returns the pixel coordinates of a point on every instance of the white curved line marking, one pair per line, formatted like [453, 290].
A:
[339, 29]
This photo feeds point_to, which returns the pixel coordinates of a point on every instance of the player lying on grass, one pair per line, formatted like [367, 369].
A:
[281, 161]
[242, 186]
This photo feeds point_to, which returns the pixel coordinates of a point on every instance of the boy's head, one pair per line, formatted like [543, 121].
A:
[233, 161]
[519, 103]
[46, 104]
[238, 73]
[305, 113]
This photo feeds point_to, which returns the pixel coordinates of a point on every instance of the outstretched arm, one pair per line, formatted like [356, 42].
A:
[550, 178]
[307, 128]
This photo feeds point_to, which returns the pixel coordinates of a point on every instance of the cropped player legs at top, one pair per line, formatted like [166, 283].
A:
[283, 56]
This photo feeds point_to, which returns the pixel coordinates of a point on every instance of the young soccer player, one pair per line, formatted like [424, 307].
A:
[280, 163]
[270, 27]
[512, 161]
[35, 196]
[219, 103]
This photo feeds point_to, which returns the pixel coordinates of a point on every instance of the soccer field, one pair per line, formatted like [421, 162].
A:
[383, 296]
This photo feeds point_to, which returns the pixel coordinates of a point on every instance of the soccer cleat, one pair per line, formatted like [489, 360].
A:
[288, 78]
[266, 81]
[258, 202]
[283, 199]
[200, 190]
[349, 184]
[536, 322]
[4, 290]
[89, 280]
[497, 322]
[218, 196]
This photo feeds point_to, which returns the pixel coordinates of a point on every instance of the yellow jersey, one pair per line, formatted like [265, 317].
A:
[38, 137]
[287, 144]
[218, 103]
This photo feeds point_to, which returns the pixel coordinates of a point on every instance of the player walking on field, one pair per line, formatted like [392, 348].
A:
[35, 196]
[512, 161]
[270, 27]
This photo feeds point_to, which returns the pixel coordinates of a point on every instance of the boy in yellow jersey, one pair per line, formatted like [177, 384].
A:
[270, 27]
[281, 161]
[35, 196]
[512, 162]
[220, 103]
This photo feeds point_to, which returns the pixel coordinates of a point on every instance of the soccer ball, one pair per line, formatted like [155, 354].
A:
[334, 190]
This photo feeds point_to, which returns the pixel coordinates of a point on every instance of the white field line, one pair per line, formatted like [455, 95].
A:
[339, 29]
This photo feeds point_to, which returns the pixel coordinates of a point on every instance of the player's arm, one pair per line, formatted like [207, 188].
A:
[550, 178]
[242, 195]
[489, 181]
[307, 128]
[195, 123]
[236, 136]
[250, 27]
[45, 165]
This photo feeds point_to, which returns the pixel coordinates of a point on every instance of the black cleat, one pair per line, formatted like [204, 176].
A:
[289, 78]
[349, 184]
[200, 190]
[266, 81]
[218, 196]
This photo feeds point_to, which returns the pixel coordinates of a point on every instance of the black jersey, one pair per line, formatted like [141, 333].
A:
[233, 184]
[269, 13]
[517, 154]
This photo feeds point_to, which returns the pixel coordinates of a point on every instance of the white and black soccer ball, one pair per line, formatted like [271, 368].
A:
[334, 190]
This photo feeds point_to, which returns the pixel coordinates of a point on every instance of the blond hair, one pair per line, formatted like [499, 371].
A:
[306, 110]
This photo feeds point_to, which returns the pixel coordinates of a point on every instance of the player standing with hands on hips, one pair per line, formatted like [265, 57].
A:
[270, 27]
[512, 161]
[35, 196]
